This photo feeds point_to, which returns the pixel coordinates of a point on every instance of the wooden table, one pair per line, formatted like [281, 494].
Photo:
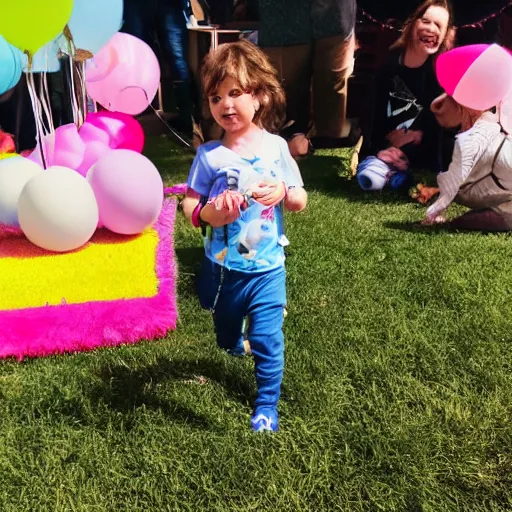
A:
[214, 31]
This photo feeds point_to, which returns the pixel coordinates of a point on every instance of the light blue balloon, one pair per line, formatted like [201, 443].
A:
[94, 22]
[45, 59]
[10, 66]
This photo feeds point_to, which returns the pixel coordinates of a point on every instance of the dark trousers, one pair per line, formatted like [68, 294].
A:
[163, 21]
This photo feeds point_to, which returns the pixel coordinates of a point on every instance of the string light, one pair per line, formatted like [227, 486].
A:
[477, 24]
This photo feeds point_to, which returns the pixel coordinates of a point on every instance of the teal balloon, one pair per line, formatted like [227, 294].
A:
[94, 22]
[10, 66]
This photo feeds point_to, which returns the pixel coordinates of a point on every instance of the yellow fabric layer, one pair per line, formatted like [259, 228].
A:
[109, 267]
[3, 156]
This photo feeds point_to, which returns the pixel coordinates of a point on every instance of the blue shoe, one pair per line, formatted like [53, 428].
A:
[265, 418]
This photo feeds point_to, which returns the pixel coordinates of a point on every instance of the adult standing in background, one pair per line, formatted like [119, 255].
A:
[311, 44]
[165, 20]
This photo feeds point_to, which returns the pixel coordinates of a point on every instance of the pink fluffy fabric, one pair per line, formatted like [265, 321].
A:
[74, 327]
[6, 231]
[178, 189]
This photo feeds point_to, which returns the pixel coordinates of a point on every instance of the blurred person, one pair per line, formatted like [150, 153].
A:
[166, 21]
[311, 44]
[405, 132]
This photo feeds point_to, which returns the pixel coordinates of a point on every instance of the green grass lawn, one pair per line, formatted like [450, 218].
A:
[397, 392]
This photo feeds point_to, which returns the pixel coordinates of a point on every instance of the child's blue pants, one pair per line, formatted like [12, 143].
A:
[262, 297]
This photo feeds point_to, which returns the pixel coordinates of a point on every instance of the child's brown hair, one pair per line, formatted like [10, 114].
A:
[250, 68]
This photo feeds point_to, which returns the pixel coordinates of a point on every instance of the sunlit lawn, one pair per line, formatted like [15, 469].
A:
[397, 392]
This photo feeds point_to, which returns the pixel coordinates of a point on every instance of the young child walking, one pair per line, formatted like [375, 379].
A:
[237, 188]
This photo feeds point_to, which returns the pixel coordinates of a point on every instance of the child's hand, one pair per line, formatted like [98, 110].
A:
[229, 201]
[432, 221]
[223, 209]
[399, 138]
[395, 157]
[296, 199]
[268, 194]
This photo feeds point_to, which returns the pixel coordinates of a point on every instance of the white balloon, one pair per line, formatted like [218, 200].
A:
[57, 210]
[15, 172]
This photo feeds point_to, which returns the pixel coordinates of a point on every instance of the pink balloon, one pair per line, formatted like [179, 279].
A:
[69, 147]
[123, 130]
[63, 148]
[94, 151]
[90, 133]
[465, 73]
[451, 66]
[127, 78]
[48, 146]
[128, 190]
[101, 64]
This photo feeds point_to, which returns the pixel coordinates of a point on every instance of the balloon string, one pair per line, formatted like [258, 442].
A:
[45, 93]
[78, 92]
[48, 98]
[46, 102]
[74, 104]
[80, 71]
[38, 115]
[70, 76]
[82, 105]
[39, 135]
[169, 127]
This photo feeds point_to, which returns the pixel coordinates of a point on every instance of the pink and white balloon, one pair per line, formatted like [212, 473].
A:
[128, 189]
[124, 76]
[477, 76]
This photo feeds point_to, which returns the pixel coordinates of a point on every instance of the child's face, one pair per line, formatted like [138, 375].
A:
[430, 30]
[231, 107]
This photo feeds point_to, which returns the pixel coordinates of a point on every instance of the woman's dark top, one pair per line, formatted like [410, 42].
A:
[402, 101]
[299, 22]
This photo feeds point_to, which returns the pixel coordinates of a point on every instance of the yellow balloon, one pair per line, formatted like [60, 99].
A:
[30, 24]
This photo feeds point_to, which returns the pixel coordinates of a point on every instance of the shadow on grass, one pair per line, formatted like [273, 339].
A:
[124, 389]
[416, 227]
[190, 258]
[189, 264]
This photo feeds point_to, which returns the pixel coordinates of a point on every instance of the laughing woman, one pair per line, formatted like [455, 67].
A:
[405, 133]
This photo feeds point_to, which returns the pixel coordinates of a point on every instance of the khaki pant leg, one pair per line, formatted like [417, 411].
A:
[333, 63]
[293, 64]
[484, 193]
